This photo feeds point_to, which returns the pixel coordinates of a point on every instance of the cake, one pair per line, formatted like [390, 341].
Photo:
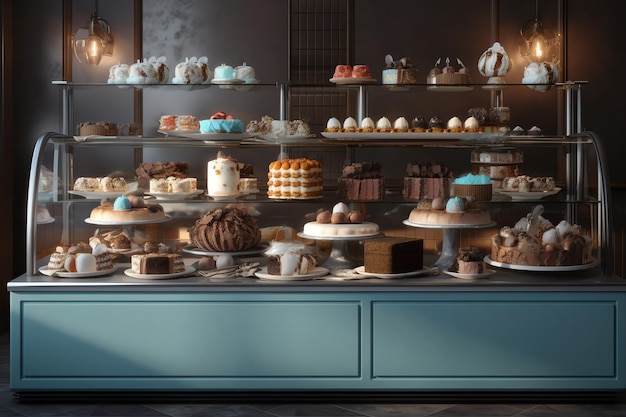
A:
[469, 261]
[361, 181]
[157, 263]
[224, 72]
[290, 258]
[494, 63]
[525, 183]
[223, 176]
[248, 182]
[192, 71]
[299, 178]
[245, 73]
[540, 75]
[43, 215]
[383, 125]
[454, 211]
[103, 128]
[401, 71]
[159, 170]
[341, 221]
[535, 241]
[80, 258]
[272, 129]
[186, 123]
[127, 210]
[419, 124]
[393, 255]
[225, 230]
[448, 75]
[118, 74]
[497, 163]
[478, 187]
[115, 240]
[141, 72]
[361, 71]
[429, 180]
[221, 122]
[173, 185]
[101, 184]
[161, 70]
[343, 71]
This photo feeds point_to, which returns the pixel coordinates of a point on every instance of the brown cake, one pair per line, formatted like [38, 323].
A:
[454, 211]
[290, 258]
[299, 178]
[393, 255]
[428, 180]
[157, 263]
[361, 181]
[127, 210]
[469, 262]
[225, 230]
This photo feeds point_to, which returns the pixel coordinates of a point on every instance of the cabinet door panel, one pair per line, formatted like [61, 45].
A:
[494, 339]
[189, 339]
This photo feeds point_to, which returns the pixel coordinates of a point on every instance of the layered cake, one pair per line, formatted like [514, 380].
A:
[81, 258]
[341, 221]
[101, 184]
[127, 210]
[248, 182]
[268, 127]
[185, 123]
[173, 185]
[97, 129]
[448, 75]
[290, 258]
[159, 170]
[225, 230]
[157, 263]
[299, 178]
[497, 163]
[525, 183]
[478, 187]
[393, 255]
[469, 261]
[401, 71]
[453, 211]
[540, 75]
[429, 180]
[535, 241]
[221, 122]
[223, 176]
[361, 181]
[192, 71]
[343, 71]
[116, 240]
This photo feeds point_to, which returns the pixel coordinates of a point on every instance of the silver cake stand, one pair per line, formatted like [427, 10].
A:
[339, 257]
[451, 239]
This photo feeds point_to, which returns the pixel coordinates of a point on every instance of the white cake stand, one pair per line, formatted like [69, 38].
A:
[451, 239]
[339, 257]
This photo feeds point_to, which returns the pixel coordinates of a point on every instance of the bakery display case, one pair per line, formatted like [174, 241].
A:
[346, 330]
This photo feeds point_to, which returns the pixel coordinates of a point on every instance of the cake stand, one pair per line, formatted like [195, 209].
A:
[339, 257]
[451, 239]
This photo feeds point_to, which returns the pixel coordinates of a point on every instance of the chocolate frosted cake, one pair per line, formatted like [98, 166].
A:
[361, 181]
[429, 180]
[393, 255]
[225, 230]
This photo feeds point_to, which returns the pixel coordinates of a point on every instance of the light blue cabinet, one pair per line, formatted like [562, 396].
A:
[305, 339]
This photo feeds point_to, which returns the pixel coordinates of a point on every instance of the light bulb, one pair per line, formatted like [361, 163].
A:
[538, 48]
[95, 49]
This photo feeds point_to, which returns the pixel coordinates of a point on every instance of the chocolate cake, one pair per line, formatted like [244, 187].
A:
[225, 230]
[393, 255]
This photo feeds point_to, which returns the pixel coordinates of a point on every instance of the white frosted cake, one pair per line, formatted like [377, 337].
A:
[341, 221]
[223, 176]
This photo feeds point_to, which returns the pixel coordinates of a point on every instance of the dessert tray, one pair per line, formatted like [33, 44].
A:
[423, 271]
[317, 272]
[484, 275]
[347, 81]
[103, 223]
[176, 196]
[99, 195]
[375, 136]
[530, 195]
[64, 274]
[209, 137]
[227, 197]
[285, 139]
[193, 250]
[188, 270]
[339, 237]
[534, 268]
[449, 226]
[227, 81]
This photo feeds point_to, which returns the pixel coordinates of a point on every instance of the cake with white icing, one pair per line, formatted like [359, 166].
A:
[341, 221]
[223, 176]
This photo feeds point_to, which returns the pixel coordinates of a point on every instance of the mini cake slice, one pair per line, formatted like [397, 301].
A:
[393, 255]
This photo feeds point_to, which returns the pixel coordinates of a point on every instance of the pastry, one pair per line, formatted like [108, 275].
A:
[127, 210]
[361, 181]
[426, 181]
[299, 178]
[393, 255]
[225, 230]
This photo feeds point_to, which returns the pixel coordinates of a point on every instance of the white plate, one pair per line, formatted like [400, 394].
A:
[176, 196]
[285, 139]
[64, 274]
[339, 237]
[295, 198]
[471, 276]
[227, 81]
[188, 270]
[207, 137]
[101, 223]
[203, 252]
[533, 268]
[99, 195]
[449, 226]
[352, 80]
[226, 197]
[361, 270]
[98, 137]
[374, 136]
[318, 271]
[530, 195]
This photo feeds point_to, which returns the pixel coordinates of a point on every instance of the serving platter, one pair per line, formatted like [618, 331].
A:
[483, 275]
[176, 196]
[348, 81]
[376, 136]
[423, 271]
[529, 195]
[103, 223]
[193, 250]
[65, 274]
[208, 137]
[317, 272]
[538, 268]
[188, 270]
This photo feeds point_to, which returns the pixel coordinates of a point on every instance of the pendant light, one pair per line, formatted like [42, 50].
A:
[93, 42]
[538, 40]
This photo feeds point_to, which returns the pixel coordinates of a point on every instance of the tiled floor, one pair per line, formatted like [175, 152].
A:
[10, 407]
